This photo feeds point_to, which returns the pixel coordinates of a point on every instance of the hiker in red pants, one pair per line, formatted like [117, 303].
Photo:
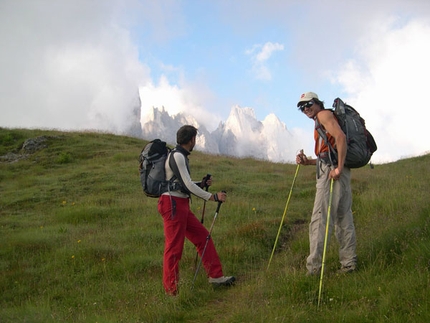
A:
[179, 220]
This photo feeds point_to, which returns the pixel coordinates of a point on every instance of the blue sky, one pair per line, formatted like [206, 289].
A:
[73, 64]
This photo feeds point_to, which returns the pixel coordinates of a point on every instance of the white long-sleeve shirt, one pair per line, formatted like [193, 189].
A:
[191, 186]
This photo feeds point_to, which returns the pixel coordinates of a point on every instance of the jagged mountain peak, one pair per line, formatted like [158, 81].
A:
[243, 123]
[272, 119]
[241, 135]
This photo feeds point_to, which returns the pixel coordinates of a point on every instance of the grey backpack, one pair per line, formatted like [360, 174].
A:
[360, 142]
[152, 171]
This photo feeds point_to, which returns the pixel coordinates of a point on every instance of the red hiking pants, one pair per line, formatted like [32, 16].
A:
[179, 224]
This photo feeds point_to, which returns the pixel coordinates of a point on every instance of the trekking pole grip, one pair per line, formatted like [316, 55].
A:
[206, 179]
[219, 203]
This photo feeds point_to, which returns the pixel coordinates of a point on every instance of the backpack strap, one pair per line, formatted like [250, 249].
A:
[176, 172]
[323, 136]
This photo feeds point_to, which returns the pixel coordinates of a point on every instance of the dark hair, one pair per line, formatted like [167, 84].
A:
[185, 134]
[320, 103]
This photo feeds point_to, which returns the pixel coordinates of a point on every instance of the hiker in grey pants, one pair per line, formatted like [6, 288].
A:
[341, 213]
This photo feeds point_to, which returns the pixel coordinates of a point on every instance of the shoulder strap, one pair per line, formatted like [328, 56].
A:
[321, 132]
[322, 135]
[176, 172]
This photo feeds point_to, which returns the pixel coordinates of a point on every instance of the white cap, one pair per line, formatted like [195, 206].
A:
[305, 97]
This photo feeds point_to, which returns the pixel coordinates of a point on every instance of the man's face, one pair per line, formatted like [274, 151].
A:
[310, 108]
[193, 143]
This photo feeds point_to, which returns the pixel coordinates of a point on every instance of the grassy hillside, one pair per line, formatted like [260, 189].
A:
[81, 243]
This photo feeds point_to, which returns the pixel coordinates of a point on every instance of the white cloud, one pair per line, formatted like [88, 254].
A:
[66, 66]
[267, 51]
[188, 98]
[388, 85]
[260, 69]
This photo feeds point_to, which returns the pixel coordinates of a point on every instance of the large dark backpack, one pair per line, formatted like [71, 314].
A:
[152, 171]
[360, 142]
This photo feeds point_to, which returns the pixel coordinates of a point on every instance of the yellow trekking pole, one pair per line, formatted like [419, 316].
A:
[325, 241]
[283, 216]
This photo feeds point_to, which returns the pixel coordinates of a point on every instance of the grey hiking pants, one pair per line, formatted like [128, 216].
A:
[340, 216]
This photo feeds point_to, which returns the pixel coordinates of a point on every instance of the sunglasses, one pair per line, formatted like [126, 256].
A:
[306, 105]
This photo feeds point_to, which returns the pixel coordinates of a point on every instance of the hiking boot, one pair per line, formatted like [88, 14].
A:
[347, 269]
[222, 281]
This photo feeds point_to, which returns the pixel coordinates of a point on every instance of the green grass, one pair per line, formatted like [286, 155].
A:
[81, 243]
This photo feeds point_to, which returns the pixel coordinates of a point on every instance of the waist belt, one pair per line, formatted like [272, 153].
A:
[325, 158]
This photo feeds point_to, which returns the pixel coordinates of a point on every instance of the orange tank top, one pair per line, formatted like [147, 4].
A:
[320, 145]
